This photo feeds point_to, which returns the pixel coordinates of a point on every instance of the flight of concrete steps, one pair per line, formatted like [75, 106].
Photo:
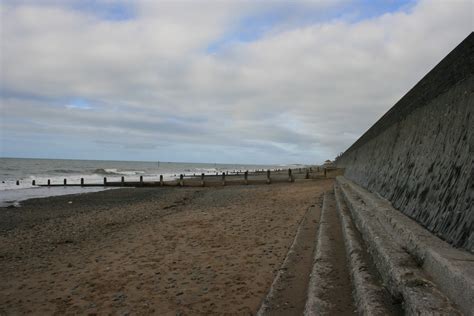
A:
[355, 254]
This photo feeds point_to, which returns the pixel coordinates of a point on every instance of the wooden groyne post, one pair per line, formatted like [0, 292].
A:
[199, 178]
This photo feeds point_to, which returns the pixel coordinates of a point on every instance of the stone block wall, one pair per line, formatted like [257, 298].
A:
[419, 155]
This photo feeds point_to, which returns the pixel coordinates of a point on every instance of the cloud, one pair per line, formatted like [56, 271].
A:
[279, 91]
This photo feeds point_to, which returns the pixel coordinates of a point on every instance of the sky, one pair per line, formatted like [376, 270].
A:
[268, 82]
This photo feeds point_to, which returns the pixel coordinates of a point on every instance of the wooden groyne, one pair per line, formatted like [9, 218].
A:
[210, 180]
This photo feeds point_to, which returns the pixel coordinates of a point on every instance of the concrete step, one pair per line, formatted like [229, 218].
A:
[329, 288]
[367, 259]
[401, 270]
[370, 296]
[287, 294]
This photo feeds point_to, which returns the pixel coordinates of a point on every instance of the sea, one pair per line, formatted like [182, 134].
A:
[25, 170]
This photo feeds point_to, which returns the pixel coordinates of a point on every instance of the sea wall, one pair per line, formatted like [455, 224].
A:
[419, 155]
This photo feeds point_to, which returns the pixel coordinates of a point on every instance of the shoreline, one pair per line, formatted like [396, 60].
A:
[13, 197]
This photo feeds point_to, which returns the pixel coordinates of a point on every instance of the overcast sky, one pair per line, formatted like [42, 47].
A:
[211, 81]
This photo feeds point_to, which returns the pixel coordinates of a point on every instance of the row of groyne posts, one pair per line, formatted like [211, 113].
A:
[322, 173]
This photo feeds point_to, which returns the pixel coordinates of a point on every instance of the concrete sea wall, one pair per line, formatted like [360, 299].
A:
[419, 155]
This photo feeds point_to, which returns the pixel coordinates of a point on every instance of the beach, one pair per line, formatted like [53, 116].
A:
[167, 251]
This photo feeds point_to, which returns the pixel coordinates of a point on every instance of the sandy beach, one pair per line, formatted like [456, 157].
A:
[167, 251]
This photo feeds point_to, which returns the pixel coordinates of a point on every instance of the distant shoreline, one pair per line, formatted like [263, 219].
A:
[14, 198]
[16, 175]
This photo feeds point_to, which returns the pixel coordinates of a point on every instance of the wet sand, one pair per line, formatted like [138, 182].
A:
[161, 251]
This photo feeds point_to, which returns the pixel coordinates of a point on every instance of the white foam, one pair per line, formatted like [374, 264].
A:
[13, 197]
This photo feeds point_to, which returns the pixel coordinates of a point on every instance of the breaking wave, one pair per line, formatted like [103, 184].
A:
[62, 171]
[113, 171]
